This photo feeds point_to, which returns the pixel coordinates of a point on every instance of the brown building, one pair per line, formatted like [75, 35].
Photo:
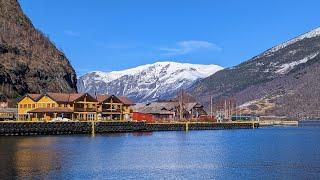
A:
[171, 110]
[74, 106]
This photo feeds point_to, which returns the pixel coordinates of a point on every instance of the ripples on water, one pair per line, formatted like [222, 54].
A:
[264, 153]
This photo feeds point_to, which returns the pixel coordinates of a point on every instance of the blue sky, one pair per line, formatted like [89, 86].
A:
[111, 35]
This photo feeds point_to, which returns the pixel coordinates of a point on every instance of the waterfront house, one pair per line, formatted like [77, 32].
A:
[170, 110]
[194, 110]
[80, 106]
[75, 106]
[111, 107]
[159, 110]
[127, 107]
[25, 104]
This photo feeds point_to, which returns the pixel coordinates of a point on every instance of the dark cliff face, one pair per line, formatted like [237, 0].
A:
[29, 62]
[288, 73]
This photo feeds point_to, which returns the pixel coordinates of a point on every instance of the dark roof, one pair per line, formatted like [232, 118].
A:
[155, 107]
[34, 97]
[51, 110]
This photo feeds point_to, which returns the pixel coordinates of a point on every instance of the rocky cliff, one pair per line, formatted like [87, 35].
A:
[29, 62]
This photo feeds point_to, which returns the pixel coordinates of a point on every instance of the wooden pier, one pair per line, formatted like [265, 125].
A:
[19, 128]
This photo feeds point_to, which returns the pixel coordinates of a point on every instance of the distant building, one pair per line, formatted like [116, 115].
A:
[159, 110]
[75, 106]
[8, 114]
[3, 101]
[171, 110]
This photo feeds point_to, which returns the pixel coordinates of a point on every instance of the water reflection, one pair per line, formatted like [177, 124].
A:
[21, 157]
[142, 133]
[286, 153]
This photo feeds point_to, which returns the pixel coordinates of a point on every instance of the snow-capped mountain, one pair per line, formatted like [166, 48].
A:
[147, 82]
[308, 35]
[288, 73]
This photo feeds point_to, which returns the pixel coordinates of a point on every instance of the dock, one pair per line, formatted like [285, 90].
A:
[22, 128]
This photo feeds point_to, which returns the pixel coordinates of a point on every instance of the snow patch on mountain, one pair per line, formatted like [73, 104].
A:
[147, 82]
[311, 34]
[284, 68]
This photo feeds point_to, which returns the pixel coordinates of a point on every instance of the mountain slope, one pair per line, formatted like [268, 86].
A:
[287, 74]
[148, 82]
[29, 62]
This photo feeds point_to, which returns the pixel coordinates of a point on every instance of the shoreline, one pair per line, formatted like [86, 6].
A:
[279, 123]
[65, 128]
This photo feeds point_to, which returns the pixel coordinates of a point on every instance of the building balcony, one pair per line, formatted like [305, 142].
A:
[111, 110]
[85, 109]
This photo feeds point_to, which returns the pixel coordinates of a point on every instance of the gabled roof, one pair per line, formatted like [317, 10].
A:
[163, 107]
[189, 106]
[156, 107]
[65, 97]
[34, 97]
[102, 97]
[126, 100]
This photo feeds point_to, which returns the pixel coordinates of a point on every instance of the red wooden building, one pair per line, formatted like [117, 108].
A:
[137, 116]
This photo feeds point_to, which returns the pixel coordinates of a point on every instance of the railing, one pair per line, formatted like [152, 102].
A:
[111, 110]
[85, 109]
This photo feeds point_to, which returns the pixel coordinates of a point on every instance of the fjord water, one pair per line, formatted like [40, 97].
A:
[264, 153]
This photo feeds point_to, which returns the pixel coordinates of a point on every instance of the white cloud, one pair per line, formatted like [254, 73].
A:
[185, 47]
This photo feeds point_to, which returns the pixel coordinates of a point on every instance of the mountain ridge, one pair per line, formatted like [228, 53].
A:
[273, 75]
[146, 82]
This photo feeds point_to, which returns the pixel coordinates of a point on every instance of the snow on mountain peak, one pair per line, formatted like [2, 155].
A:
[310, 34]
[194, 71]
[146, 82]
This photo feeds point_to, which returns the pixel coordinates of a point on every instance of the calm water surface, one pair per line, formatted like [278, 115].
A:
[265, 153]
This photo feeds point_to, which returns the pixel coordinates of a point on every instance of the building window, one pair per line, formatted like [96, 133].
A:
[48, 105]
[90, 117]
[33, 106]
[53, 105]
[24, 106]
[21, 106]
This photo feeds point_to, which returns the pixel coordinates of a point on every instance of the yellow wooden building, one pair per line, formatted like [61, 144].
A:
[111, 107]
[74, 106]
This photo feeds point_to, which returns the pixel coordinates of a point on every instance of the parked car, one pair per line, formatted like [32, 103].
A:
[60, 119]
